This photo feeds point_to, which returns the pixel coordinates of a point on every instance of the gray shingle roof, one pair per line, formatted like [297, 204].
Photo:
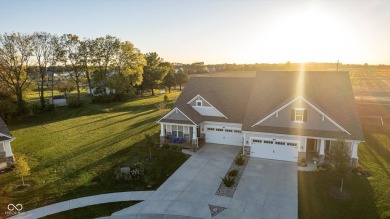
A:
[4, 129]
[249, 99]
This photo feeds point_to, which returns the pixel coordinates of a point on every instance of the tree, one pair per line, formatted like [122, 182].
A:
[65, 86]
[169, 81]
[181, 79]
[86, 57]
[154, 72]
[22, 169]
[45, 50]
[72, 58]
[149, 143]
[104, 52]
[15, 53]
[341, 154]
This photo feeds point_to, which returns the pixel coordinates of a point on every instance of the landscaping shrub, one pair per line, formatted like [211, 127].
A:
[239, 160]
[105, 98]
[166, 98]
[327, 166]
[228, 181]
[165, 146]
[233, 172]
[137, 171]
[176, 147]
[160, 106]
[74, 103]
[357, 169]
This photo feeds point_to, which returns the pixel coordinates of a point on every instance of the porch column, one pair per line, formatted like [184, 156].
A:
[162, 134]
[194, 136]
[322, 151]
[8, 150]
[354, 156]
[8, 153]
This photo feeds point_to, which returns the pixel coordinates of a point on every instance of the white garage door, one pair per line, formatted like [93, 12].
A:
[274, 149]
[221, 135]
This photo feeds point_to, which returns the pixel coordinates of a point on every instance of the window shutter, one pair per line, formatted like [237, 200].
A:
[304, 115]
[292, 115]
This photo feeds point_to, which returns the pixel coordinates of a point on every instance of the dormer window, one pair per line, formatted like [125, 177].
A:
[199, 103]
[299, 115]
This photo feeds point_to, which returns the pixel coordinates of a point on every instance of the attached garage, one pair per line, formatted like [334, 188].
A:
[274, 149]
[223, 135]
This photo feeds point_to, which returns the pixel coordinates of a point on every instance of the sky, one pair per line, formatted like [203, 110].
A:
[219, 31]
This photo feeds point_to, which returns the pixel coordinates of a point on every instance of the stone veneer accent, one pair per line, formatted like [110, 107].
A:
[301, 155]
[247, 151]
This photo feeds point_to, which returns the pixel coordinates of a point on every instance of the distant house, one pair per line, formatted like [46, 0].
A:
[278, 115]
[6, 156]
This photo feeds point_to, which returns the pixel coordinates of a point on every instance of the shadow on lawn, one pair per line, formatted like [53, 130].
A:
[315, 200]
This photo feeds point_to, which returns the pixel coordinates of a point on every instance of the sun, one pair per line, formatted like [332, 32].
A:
[311, 35]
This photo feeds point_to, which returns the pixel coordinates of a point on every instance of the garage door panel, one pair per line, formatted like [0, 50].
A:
[221, 135]
[276, 150]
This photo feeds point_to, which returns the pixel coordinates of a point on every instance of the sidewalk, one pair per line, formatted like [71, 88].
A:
[82, 202]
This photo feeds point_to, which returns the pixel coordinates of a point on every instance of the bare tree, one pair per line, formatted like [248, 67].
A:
[86, 57]
[15, 53]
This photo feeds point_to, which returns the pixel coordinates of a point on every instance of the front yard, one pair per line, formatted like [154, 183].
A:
[369, 196]
[74, 152]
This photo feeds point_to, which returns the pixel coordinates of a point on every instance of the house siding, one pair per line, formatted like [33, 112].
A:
[314, 119]
[177, 115]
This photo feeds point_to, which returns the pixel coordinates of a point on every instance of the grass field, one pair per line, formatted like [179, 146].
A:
[73, 152]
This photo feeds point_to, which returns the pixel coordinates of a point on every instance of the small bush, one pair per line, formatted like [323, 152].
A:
[166, 98]
[327, 166]
[137, 171]
[105, 98]
[165, 146]
[160, 106]
[74, 103]
[239, 160]
[228, 181]
[233, 172]
[357, 169]
[176, 147]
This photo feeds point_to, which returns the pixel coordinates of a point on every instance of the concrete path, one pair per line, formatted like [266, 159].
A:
[190, 190]
[268, 189]
[85, 201]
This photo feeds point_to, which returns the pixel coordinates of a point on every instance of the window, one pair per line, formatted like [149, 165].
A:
[280, 143]
[199, 103]
[237, 131]
[299, 115]
[219, 130]
[256, 141]
[292, 144]
[210, 129]
[268, 142]
[228, 130]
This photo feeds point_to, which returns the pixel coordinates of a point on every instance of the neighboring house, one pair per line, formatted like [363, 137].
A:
[6, 156]
[279, 115]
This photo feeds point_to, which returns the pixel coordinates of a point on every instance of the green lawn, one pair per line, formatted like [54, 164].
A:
[67, 149]
[369, 196]
[93, 211]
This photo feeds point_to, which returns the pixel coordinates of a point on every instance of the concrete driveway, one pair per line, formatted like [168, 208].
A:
[267, 189]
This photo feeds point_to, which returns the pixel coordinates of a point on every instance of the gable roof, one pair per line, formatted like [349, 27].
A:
[5, 134]
[329, 91]
[250, 98]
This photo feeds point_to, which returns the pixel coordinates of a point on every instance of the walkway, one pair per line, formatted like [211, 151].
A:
[85, 201]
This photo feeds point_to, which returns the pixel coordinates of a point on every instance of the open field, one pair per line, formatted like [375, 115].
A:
[73, 152]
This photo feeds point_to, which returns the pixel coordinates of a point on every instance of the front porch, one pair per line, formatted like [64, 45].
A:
[319, 151]
[184, 135]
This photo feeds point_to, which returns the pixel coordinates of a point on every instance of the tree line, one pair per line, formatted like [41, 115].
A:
[104, 62]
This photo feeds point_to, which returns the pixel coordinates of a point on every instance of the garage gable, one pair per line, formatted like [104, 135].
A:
[203, 107]
[299, 113]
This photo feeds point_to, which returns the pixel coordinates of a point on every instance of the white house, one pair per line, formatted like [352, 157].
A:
[6, 156]
[280, 115]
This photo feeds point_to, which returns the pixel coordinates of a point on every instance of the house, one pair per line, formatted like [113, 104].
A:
[280, 115]
[6, 156]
